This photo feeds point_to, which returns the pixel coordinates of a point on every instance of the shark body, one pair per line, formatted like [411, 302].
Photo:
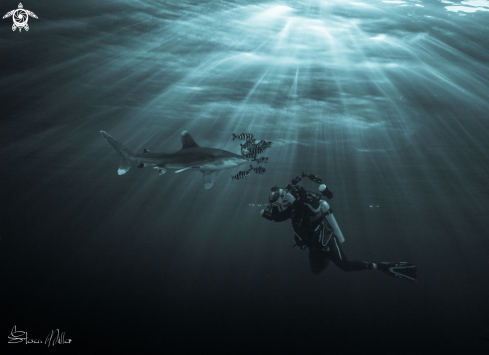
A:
[190, 157]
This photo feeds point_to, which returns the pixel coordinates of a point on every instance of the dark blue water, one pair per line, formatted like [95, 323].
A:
[387, 101]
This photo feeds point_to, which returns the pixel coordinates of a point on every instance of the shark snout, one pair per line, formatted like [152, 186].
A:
[232, 162]
[241, 161]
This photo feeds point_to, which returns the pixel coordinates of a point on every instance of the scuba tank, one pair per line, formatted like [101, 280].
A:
[332, 221]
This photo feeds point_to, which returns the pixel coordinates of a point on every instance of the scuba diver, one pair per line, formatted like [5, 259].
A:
[316, 228]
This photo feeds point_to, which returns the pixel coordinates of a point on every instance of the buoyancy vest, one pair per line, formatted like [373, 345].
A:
[309, 224]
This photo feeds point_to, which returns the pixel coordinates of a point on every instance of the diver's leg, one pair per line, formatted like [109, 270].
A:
[318, 260]
[338, 257]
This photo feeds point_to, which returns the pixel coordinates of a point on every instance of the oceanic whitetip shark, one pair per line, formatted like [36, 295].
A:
[191, 156]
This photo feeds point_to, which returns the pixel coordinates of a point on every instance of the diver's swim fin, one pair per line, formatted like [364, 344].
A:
[400, 269]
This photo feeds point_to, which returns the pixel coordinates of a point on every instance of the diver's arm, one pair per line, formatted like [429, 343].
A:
[276, 215]
[266, 214]
[284, 215]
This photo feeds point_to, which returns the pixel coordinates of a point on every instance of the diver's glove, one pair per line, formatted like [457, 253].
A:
[266, 215]
[299, 243]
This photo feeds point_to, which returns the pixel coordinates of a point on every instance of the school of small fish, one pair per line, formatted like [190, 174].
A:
[250, 149]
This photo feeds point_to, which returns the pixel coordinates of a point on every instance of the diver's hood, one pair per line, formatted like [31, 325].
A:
[276, 196]
[281, 198]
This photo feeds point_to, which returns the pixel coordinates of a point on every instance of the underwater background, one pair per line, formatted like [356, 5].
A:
[386, 101]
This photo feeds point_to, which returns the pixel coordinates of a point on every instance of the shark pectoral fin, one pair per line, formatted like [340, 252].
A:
[125, 153]
[209, 179]
[179, 171]
[124, 166]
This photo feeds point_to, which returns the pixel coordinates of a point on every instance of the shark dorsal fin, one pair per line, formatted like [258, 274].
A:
[187, 141]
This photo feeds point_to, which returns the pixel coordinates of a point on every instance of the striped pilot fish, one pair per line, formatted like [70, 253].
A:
[259, 149]
[247, 144]
[240, 175]
[264, 144]
[258, 170]
[261, 160]
[247, 136]
[251, 153]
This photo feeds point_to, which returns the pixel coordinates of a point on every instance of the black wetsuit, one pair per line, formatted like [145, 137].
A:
[312, 230]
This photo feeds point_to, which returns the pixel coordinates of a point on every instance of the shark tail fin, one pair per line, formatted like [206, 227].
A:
[123, 151]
